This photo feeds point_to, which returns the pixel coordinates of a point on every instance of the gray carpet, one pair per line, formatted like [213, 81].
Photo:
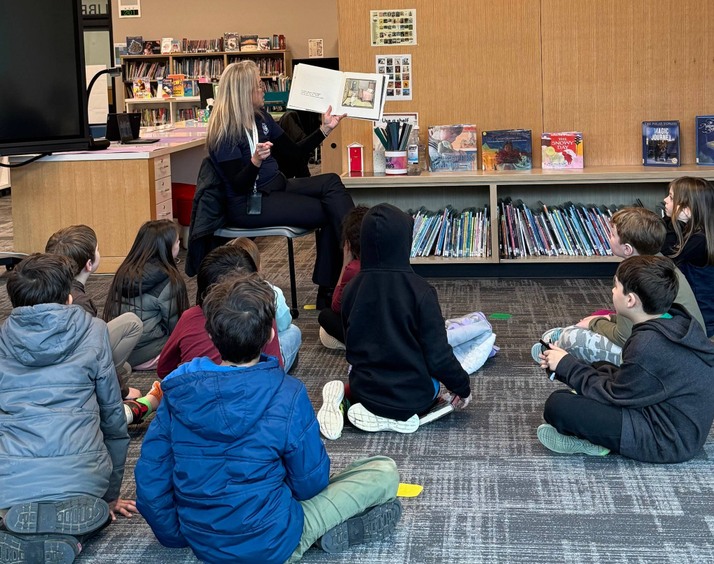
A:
[492, 493]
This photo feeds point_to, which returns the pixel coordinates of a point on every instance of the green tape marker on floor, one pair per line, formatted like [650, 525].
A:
[500, 316]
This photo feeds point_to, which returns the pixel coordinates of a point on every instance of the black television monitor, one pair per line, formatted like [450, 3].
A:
[43, 101]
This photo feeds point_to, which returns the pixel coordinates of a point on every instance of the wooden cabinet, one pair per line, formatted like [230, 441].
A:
[615, 185]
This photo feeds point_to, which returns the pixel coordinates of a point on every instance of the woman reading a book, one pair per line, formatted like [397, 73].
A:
[242, 141]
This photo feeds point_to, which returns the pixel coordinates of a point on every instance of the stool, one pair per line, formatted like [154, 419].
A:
[278, 231]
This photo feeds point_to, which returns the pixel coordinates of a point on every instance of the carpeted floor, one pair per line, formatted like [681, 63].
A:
[492, 493]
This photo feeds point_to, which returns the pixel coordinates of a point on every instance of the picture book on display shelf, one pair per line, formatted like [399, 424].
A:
[705, 140]
[507, 149]
[452, 147]
[562, 150]
[660, 143]
[357, 94]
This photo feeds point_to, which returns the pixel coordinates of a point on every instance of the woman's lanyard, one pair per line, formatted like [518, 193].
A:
[252, 143]
[254, 206]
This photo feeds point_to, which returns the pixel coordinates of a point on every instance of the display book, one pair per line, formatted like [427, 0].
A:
[561, 150]
[357, 94]
[660, 143]
[506, 149]
[451, 233]
[452, 147]
[704, 127]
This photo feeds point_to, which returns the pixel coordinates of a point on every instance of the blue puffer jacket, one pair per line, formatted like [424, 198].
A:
[62, 423]
[226, 459]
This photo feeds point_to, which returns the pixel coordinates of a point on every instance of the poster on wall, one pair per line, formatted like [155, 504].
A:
[398, 69]
[393, 27]
[129, 8]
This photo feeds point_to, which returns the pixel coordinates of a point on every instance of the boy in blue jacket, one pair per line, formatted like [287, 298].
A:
[233, 465]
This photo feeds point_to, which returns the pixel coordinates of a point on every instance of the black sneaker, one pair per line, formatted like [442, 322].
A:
[38, 549]
[74, 516]
[375, 524]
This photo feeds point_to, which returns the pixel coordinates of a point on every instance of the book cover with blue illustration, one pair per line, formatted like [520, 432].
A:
[507, 149]
[452, 147]
[705, 140]
[660, 143]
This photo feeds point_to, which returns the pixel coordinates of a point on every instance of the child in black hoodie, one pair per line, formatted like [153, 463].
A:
[395, 337]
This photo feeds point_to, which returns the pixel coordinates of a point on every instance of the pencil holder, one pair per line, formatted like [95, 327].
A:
[395, 162]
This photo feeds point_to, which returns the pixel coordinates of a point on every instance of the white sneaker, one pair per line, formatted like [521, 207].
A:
[330, 342]
[331, 417]
[365, 420]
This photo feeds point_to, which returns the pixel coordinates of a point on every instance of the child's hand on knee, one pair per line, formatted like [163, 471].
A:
[550, 358]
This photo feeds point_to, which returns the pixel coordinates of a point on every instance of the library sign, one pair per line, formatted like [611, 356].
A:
[90, 8]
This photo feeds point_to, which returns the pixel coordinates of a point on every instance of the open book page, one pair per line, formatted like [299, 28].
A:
[357, 94]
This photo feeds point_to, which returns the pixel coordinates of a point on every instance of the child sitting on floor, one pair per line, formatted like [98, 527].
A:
[79, 244]
[395, 337]
[634, 231]
[332, 332]
[149, 284]
[658, 406]
[289, 335]
[189, 339]
[233, 464]
[64, 439]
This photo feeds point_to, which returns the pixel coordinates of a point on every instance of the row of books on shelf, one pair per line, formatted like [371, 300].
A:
[451, 233]
[151, 117]
[230, 41]
[172, 86]
[199, 67]
[568, 229]
[455, 147]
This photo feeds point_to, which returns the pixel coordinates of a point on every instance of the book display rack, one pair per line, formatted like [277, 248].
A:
[274, 65]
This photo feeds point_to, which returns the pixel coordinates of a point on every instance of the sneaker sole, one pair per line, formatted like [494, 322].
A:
[551, 439]
[329, 417]
[535, 352]
[41, 549]
[76, 516]
[374, 524]
[329, 342]
[363, 419]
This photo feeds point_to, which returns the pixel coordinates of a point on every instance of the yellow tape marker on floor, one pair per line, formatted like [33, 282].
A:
[409, 490]
[310, 306]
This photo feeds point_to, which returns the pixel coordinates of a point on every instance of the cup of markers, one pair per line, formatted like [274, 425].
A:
[394, 138]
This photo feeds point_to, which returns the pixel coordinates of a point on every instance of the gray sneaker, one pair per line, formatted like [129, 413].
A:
[74, 516]
[375, 524]
[365, 420]
[550, 336]
[567, 444]
[331, 417]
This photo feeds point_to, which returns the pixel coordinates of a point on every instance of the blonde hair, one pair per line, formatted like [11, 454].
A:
[233, 109]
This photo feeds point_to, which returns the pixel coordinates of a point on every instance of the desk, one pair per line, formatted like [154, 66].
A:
[113, 191]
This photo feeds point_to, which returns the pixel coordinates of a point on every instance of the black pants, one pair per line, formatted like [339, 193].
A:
[316, 202]
[331, 322]
[573, 414]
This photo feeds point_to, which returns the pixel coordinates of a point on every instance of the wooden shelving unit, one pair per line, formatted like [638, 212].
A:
[618, 185]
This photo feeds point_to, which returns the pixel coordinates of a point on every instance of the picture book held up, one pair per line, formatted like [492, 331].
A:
[357, 94]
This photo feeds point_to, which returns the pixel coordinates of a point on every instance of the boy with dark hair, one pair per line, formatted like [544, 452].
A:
[332, 332]
[233, 465]
[600, 337]
[79, 244]
[396, 337]
[658, 406]
[64, 438]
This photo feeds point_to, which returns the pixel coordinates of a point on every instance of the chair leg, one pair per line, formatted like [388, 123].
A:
[293, 286]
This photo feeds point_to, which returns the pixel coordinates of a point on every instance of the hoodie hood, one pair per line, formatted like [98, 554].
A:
[44, 334]
[386, 239]
[199, 394]
[686, 332]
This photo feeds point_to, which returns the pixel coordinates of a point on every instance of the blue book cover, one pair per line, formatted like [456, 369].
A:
[507, 149]
[705, 140]
[660, 143]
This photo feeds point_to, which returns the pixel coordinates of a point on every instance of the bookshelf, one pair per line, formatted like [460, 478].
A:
[194, 66]
[608, 185]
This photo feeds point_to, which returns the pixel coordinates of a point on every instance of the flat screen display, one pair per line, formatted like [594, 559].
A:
[42, 99]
